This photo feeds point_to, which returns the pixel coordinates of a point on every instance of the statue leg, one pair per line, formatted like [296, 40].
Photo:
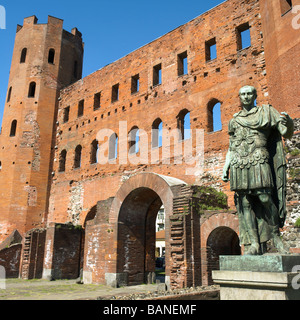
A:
[251, 226]
[272, 218]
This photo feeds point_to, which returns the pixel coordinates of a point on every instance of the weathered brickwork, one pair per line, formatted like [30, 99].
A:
[27, 137]
[60, 167]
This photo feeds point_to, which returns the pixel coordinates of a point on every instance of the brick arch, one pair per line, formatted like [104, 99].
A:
[218, 220]
[220, 225]
[158, 183]
[133, 213]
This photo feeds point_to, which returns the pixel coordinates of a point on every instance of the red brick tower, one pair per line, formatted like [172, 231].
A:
[46, 58]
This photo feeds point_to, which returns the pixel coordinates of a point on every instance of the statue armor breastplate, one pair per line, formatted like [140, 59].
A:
[248, 147]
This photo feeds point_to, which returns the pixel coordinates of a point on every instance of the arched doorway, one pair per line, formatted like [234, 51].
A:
[134, 211]
[136, 235]
[222, 241]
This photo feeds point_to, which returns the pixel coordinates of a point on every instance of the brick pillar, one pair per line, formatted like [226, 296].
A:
[62, 252]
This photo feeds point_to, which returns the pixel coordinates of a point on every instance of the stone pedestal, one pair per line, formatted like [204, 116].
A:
[268, 277]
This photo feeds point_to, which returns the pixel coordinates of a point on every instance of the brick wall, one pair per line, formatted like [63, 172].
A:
[206, 81]
[62, 252]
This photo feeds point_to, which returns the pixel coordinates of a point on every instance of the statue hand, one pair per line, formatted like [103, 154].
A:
[285, 119]
[287, 125]
[225, 176]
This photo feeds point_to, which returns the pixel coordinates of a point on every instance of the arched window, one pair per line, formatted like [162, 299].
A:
[77, 158]
[9, 94]
[23, 55]
[51, 56]
[184, 124]
[113, 147]
[94, 152]
[13, 128]
[214, 122]
[62, 161]
[134, 140]
[157, 128]
[0, 165]
[31, 91]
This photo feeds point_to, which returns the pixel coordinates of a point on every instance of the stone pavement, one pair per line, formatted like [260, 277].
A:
[18, 289]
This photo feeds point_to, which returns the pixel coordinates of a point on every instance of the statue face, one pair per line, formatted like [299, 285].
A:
[247, 96]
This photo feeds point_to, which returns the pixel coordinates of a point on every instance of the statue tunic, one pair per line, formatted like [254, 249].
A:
[250, 168]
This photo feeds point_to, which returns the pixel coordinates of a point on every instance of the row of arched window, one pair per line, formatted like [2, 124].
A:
[31, 91]
[51, 59]
[94, 147]
[51, 55]
[183, 124]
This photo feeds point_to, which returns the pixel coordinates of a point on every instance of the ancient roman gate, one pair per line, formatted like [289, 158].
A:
[120, 241]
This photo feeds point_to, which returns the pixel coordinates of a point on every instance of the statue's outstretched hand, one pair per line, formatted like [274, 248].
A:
[285, 119]
[288, 125]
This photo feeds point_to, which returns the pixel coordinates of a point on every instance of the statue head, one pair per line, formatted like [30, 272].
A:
[248, 95]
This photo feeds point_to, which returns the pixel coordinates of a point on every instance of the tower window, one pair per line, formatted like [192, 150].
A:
[285, 6]
[77, 158]
[51, 56]
[157, 128]
[9, 94]
[31, 92]
[97, 101]
[23, 55]
[184, 124]
[211, 49]
[135, 83]
[113, 147]
[182, 64]
[62, 161]
[94, 152]
[157, 75]
[13, 128]
[243, 36]
[134, 140]
[80, 108]
[214, 116]
[66, 114]
[115, 93]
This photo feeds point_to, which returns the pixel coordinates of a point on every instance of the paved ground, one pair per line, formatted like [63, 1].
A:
[18, 289]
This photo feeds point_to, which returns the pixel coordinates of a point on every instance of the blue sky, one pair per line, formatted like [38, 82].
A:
[111, 29]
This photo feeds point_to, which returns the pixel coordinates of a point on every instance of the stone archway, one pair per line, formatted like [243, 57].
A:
[219, 236]
[134, 211]
[222, 241]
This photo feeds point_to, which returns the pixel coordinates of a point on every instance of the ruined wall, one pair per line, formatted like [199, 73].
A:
[62, 252]
[291, 233]
[206, 82]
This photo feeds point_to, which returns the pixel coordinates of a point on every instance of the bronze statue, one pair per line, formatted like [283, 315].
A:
[257, 166]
